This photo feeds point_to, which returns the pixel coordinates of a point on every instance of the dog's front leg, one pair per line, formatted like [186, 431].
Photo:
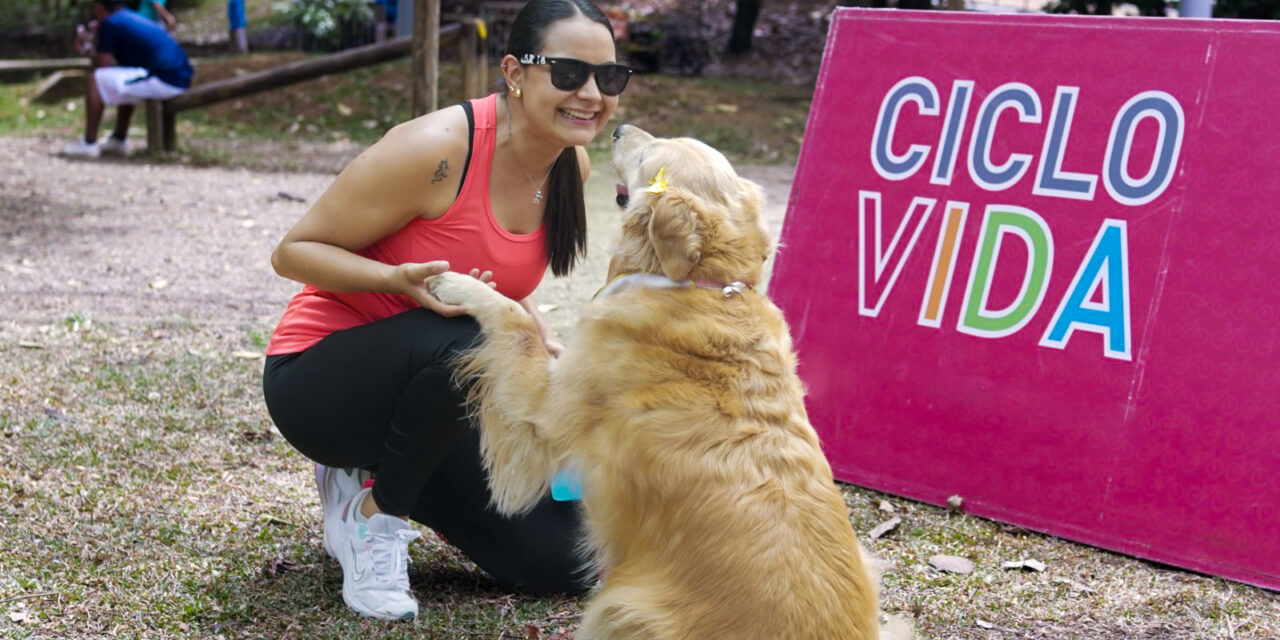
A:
[507, 376]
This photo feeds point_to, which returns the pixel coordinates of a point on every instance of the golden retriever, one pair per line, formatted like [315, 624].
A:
[709, 506]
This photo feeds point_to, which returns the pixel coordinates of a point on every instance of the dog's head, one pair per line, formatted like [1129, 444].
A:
[688, 214]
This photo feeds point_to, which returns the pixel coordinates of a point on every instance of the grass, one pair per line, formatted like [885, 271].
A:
[151, 495]
[146, 495]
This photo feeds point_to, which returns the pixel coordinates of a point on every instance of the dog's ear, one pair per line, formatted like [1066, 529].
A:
[673, 230]
[752, 207]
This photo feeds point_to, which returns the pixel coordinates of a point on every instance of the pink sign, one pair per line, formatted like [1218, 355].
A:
[1035, 262]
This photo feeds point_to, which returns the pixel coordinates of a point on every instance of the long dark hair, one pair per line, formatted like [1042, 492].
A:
[566, 217]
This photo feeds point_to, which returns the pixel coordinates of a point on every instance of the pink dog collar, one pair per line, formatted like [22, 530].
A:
[628, 281]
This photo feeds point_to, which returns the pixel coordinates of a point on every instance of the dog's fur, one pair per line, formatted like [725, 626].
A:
[709, 505]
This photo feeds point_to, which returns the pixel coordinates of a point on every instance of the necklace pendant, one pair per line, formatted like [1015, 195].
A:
[537, 197]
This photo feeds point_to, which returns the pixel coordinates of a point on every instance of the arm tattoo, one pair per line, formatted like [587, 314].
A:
[440, 172]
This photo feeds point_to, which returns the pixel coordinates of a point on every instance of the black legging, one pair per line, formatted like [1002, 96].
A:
[380, 396]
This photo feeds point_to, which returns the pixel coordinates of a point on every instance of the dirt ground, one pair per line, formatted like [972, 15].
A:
[131, 241]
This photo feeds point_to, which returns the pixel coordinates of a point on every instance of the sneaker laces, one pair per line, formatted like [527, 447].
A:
[391, 557]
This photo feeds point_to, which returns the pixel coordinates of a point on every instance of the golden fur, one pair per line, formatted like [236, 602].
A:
[709, 505]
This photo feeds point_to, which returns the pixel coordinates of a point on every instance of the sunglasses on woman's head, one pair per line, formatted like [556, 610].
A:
[569, 74]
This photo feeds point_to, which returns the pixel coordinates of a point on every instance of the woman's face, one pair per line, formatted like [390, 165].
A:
[573, 117]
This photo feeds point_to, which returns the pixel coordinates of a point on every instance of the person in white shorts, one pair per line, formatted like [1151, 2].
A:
[135, 59]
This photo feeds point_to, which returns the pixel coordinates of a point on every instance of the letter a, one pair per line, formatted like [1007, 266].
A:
[1105, 268]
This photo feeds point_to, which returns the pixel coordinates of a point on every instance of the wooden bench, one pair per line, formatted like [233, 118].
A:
[162, 115]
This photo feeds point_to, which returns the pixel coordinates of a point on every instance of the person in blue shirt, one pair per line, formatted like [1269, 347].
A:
[236, 22]
[155, 11]
[134, 59]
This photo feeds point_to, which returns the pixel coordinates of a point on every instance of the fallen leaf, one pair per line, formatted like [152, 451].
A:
[887, 506]
[955, 503]
[252, 435]
[884, 527]
[1034, 565]
[58, 415]
[985, 625]
[274, 521]
[951, 564]
[1075, 585]
[532, 633]
[278, 564]
[18, 616]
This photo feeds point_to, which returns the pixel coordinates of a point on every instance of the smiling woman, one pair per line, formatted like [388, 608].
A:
[358, 376]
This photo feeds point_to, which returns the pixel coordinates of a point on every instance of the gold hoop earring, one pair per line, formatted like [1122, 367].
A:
[517, 92]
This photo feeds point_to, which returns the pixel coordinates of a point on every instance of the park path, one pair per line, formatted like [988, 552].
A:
[128, 241]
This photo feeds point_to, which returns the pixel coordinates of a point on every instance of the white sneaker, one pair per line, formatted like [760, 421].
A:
[374, 555]
[112, 146]
[336, 488]
[82, 149]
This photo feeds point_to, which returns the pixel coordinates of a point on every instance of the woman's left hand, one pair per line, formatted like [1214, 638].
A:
[552, 342]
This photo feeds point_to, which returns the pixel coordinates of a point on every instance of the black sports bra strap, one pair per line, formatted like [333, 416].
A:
[471, 138]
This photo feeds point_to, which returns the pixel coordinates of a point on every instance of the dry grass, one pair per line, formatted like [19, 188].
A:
[145, 495]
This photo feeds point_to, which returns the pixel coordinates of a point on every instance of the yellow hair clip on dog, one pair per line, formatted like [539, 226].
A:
[659, 182]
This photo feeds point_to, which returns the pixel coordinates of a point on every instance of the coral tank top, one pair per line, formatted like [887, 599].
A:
[467, 235]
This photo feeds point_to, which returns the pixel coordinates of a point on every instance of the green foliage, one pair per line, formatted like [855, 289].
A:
[1244, 9]
[325, 19]
[1247, 9]
[19, 115]
[1107, 7]
[41, 15]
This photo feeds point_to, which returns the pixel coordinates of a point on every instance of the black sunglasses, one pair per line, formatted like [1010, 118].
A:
[569, 74]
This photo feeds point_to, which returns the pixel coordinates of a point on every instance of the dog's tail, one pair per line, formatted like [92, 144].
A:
[519, 462]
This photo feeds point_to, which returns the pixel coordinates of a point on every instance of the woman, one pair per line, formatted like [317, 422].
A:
[357, 374]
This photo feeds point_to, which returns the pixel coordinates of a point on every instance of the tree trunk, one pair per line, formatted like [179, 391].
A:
[744, 22]
[425, 63]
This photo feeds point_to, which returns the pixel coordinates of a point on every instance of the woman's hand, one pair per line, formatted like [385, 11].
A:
[411, 280]
[485, 277]
[552, 342]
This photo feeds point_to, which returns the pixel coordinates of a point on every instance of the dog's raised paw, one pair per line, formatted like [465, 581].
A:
[453, 288]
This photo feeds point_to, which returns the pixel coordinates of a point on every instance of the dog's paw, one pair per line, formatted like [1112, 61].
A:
[456, 288]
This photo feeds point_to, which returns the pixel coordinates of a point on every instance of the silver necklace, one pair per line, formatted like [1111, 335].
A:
[537, 188]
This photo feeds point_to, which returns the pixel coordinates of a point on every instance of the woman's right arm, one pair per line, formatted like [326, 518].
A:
[412, 172]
